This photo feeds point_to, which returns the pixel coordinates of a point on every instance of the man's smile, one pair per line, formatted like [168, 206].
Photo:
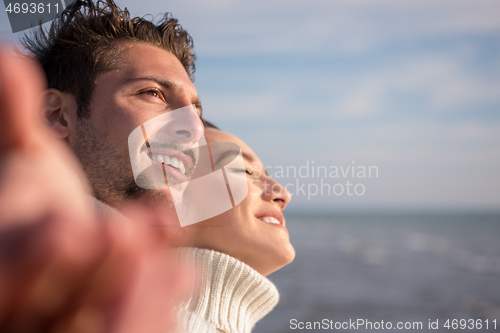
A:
[174, 162]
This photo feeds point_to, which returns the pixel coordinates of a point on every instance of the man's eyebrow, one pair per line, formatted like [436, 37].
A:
[165, 83]
[169, 85]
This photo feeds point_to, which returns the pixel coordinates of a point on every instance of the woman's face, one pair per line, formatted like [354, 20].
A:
[253, 231]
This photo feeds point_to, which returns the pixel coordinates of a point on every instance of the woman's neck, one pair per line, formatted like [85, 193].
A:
[227, 293]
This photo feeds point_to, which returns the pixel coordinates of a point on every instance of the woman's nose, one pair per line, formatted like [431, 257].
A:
[275, 192]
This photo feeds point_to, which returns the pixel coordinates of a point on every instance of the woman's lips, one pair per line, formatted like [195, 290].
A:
[270, 219]
[274, 217]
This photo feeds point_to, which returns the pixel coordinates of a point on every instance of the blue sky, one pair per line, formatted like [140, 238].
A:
[412, 87]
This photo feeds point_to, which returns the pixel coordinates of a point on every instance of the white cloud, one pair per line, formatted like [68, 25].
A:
[364, 100]
[340, 115]
[442, 82]
[447, 80]
[308, 27]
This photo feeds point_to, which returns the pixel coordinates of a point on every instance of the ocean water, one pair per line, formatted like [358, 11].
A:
[395, 268]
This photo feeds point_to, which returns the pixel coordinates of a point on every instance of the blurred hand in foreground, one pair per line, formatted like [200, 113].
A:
[61, 270]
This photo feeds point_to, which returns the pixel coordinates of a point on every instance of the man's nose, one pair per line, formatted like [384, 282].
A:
[186, 126]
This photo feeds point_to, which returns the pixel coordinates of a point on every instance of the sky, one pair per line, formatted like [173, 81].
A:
[410, 88]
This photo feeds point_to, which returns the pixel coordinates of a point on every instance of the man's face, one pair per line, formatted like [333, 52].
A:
[146, 82]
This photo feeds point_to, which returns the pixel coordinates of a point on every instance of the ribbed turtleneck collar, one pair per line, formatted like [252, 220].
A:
[226, 293]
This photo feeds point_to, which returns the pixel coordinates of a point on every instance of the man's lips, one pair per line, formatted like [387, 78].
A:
[173, 161]
[171, 156]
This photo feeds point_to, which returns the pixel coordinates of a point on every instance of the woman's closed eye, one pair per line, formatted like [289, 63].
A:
[248, 172]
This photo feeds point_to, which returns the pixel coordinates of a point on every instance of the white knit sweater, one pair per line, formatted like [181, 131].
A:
[227, 295]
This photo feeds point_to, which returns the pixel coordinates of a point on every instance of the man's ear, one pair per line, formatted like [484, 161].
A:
[60, 113]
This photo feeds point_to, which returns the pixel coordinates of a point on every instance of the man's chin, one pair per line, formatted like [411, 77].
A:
[161, 198]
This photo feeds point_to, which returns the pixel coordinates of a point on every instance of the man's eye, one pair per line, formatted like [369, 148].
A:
[155, 93]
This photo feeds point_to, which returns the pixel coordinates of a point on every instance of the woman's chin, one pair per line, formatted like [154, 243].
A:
[281, 257]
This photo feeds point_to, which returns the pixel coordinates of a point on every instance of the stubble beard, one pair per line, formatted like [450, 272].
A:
[109, 171]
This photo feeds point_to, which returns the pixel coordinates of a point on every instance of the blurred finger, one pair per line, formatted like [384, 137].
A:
[21, 84]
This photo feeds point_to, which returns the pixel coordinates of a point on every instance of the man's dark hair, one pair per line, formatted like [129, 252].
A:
[82, 43]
